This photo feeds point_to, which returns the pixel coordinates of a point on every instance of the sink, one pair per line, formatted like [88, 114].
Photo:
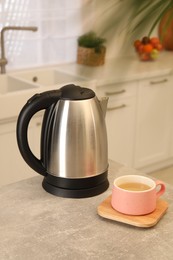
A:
[14, 93]
[48, 77]
[17, 87]
[10, 84]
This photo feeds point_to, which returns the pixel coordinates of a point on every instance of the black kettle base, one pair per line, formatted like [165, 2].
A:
[84, 188]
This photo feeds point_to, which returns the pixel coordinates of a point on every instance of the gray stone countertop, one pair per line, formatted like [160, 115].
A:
[37, 225]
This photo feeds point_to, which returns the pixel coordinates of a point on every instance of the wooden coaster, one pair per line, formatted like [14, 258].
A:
[105, 210]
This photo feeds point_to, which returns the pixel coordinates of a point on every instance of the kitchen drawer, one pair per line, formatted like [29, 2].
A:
[157, 81]
[118, 90]
[120, 104]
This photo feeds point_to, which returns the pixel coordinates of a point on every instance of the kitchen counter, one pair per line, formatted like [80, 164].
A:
[37, 225]
[115, 70]
[122, 69]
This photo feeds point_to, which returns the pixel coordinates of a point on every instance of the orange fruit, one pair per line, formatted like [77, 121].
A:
[140, 48]
[137, 43]
[159, 47]
[154, 40]
[148, 48]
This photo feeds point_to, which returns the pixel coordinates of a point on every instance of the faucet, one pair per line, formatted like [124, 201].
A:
[3, 60]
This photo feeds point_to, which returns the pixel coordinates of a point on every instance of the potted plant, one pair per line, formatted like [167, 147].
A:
[139, 17]
[91, 49]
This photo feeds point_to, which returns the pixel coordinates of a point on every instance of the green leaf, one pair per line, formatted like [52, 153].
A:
[91, 40]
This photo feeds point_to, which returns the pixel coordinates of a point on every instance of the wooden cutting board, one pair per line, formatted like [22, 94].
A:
[105, 210]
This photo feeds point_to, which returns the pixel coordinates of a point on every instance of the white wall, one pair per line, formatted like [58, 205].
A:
[59, 24]
[102, 24]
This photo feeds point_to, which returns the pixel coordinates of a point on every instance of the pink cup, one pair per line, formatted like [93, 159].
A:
[137, 202]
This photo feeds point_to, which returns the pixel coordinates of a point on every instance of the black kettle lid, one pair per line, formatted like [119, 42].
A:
[73, 92]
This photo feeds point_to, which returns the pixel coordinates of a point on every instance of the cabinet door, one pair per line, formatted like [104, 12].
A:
[153, 130]
[120, 120]
[13, 167]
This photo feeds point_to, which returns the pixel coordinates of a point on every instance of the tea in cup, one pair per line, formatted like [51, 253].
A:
[136, 194]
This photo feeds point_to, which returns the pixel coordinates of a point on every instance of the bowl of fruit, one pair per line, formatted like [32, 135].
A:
[148, 49]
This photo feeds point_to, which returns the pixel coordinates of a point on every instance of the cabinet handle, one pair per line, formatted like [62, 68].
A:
[158, 82]
[115, 93]
[117, 107]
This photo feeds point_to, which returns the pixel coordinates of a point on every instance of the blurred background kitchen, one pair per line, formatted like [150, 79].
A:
[140, 111]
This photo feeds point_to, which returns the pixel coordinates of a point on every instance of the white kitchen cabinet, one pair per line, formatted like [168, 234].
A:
[153, 122]
[13, 167]
[141, 133]
[120, 120]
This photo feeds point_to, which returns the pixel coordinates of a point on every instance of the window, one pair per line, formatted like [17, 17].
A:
[59, 24]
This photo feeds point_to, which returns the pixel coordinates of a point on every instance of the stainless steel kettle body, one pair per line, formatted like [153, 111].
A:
[74, 156]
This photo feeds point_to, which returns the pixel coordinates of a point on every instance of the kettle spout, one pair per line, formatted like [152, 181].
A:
[103, 103]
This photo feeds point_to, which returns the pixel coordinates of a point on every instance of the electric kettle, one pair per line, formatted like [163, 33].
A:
[74, 157]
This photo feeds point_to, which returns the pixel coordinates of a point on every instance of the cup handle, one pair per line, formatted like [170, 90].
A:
[162, 188]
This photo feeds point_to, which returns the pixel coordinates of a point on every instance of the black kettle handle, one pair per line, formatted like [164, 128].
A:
[34, 104]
